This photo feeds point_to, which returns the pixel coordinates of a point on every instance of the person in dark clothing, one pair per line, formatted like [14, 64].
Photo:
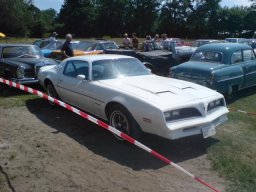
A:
[67, 47]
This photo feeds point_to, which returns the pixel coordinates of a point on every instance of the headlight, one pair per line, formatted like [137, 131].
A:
[180, 114]
[172, 115]
[210, 81]
[20, 72]
[215, 104]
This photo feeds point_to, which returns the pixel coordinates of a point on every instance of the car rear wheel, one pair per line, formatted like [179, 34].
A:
[122, 120]
[50, 90]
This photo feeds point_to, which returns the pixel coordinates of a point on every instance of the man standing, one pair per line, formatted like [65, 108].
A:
[67, 47]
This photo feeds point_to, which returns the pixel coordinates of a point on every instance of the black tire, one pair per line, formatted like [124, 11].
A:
[231, 93]
[50, 90]
[122, 120]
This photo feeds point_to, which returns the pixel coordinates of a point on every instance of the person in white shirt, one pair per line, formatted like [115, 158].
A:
[127, 41]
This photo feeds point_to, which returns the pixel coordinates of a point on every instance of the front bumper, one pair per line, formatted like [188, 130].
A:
[180, 129]
[25, 80]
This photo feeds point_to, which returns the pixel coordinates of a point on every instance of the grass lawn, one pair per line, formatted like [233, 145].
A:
[234, 156]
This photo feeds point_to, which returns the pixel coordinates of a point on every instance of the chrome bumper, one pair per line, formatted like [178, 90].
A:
[25, 80]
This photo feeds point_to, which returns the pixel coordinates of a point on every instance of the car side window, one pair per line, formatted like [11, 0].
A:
[82, 68]
[236, 57]
[75, 68]
[69, 69]
[99, 47]
[248, 55]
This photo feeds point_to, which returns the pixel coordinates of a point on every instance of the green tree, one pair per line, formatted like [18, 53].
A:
[142, 17]
[43, 21]
[173, 17]
[202, 20]
[14, 17]
[232, 20]
[77, 17]
[112, 16]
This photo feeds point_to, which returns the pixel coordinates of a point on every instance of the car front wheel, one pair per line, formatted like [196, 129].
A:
[50, 90]
[231, 93]
[122, 120]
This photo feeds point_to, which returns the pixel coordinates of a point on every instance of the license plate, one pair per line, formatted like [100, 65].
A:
[208, 131]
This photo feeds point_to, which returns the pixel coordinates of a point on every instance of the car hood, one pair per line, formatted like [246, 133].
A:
[155, 53]
[186, 48]
[161, 91]
[30, 62]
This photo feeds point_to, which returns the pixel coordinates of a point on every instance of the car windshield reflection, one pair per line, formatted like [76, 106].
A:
[207, 56]
[21, 52]
[117, 68]
[53, 45]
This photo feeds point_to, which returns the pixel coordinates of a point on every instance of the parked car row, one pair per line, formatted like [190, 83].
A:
[121, 90]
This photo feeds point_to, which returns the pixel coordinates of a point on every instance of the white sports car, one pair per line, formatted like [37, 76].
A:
[121, 90]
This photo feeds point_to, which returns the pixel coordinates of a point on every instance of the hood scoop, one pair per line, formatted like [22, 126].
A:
[162, 92]
[151, 89]
[184, 88]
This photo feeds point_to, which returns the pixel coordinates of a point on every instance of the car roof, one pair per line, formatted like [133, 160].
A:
[223, 47]
[98, 57]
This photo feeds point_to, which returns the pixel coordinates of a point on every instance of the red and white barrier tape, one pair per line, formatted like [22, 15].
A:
[241, 111]
[106, 126]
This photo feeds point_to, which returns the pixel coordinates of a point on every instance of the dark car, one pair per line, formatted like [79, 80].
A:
[159, 60]
[21, 62]
[225, 67]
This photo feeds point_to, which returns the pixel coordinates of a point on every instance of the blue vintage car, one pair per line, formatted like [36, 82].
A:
[225, 67]
[47, 46]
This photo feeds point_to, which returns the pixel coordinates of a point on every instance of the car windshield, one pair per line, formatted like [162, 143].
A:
[117, 68]
[82, 45]
[21, 52]
[53, 45]
[111, 45]
[207, 56]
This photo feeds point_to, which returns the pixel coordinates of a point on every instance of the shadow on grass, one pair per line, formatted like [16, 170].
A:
[243, 94]
[103, 143]
[7, 91]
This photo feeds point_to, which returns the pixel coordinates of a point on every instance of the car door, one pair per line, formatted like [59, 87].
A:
[74, 90]
[249, 66]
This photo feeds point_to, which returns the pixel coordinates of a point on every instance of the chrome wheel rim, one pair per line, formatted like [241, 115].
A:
[230, 90]
[120, 122]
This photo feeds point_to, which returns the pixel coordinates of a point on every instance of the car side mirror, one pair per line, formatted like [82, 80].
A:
[81, 77]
